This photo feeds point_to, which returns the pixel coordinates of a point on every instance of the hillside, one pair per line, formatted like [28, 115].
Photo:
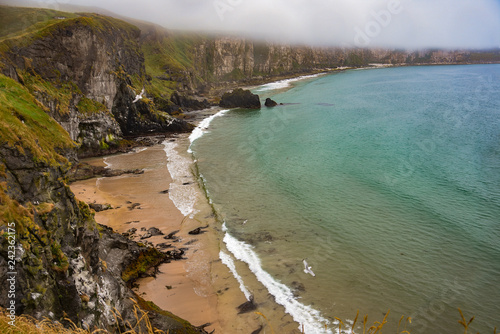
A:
[207, 65]
[67, 87]
[68, 82]
[86, 69]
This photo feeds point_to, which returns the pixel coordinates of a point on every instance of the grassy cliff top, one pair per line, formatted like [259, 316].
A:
[15, 20]
[22, 26]
[25, 125]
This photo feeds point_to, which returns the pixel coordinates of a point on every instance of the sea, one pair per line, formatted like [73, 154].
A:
[367, 190]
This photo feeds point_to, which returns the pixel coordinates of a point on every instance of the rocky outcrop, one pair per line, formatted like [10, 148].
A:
[240, 98]
[270, 103]
[84, 171]
[189, 103]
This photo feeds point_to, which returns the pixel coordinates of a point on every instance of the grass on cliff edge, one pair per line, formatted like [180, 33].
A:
[27, 325]
[16, 19]
[25, 126]
[31, 30]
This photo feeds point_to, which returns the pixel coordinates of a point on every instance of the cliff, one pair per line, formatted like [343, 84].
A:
[65, 265]
[67, 87]
[87, 71]
[197, 64]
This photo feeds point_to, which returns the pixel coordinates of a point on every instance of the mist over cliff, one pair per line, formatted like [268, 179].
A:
[69, 87]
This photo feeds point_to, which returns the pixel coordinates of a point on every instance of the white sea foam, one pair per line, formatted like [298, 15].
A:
[228, 261]
[284, 83]
[202, 128]
[183, 195]
[306, 316]
[106, 162]
[138, 150]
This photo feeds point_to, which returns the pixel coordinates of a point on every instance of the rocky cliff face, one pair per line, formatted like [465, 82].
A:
[229, 61]
[66, 267]
[83, 70]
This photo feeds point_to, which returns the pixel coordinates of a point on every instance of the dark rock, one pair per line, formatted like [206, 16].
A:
[171, 235]
[270, 103]
[99, 207]
[240, 98]
[258, 330]
[134, 206]
[189, 103]
[248, 306]
[84, 171]
[138, 118]
[154, 231]
[146, 235]
[198, 230]
[176, 254]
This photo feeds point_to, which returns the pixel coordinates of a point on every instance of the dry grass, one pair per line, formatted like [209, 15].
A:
[28, 325]
[142, 325]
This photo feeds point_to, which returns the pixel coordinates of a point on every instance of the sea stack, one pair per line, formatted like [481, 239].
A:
[240, 98]
[270, 103]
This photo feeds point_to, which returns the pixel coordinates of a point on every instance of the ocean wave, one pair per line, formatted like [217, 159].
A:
[306, 316]
[184, 196]
[201, 129]
[228, 261]
[107, 163]
[284, 83]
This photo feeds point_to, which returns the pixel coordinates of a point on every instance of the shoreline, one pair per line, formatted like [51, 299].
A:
[199, 288]
[203, 287]
[138, 203]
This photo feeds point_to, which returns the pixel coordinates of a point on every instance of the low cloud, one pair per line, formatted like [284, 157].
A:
[371, 23]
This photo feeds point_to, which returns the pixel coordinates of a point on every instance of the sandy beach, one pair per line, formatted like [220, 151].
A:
[198, 288]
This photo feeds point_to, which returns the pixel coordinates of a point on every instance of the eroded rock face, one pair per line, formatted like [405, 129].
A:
[98, 58]
[67, 266]
[240, 98]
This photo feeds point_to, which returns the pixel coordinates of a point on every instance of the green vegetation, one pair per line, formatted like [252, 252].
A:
[14, 20]
[88, 106]
[12, 211]
[26, 33]
[25, 126]
[168, 57]
[60, 92]
[60, 260]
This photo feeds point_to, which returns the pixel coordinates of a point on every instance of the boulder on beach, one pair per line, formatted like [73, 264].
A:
[240, 98]
[270, 103]
[198, 230]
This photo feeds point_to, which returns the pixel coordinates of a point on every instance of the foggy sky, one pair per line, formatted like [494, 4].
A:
[348, 23]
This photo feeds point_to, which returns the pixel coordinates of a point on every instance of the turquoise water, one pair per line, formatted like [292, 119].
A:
[386, 180]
